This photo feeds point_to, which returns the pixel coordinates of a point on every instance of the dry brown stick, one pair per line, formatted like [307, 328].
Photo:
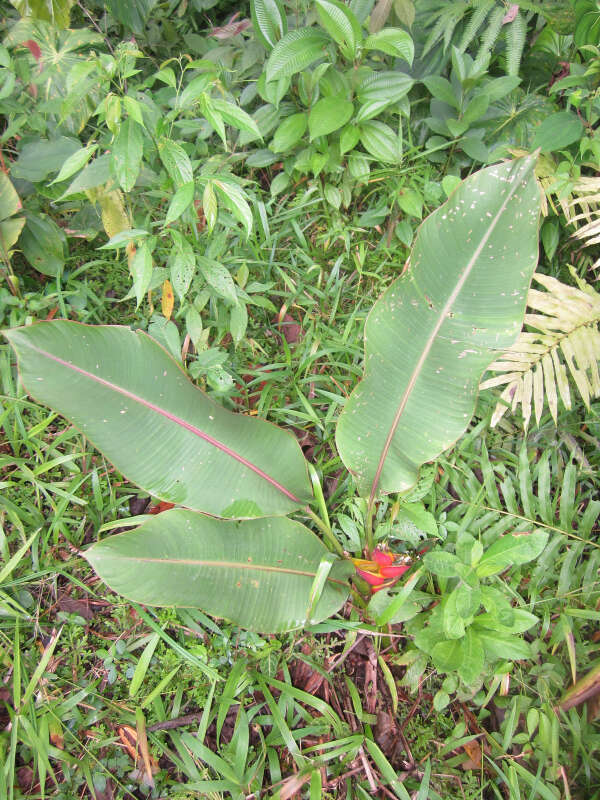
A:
[368, 771]
[346, 654]
[177, 722]
[336, 781]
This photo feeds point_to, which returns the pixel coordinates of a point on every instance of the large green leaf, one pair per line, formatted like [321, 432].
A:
[74, 163]
[390, 87]
[39, 158]
[132, 400]
[380, 141]
[127, 154]
[44, 244]
[511, 549]
[436, 329]
[176, 161]
[258, 573]
[68, 83]
[587, 26]
[133, 14]
[289, 132]
[9, 228]
[393, 41]
[236, 116]
[328, 115]
[269, 21]
[341, 24]
[55, 11]
[296, 51]
[558, 131]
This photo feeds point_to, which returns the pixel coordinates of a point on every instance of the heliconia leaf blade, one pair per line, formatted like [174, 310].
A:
[135, 403]
[429, 338]
[257, 573]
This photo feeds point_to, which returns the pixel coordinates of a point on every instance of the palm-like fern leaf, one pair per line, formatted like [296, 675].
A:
[477, 19]
[491, 33]
[579, 200]
[515, 42]
[566, 341]
[583, 206]
[446, 20]
[468, 19]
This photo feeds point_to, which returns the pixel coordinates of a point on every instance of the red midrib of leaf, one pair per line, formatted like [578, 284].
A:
[227, 565]
[173, 418]
[429, 342]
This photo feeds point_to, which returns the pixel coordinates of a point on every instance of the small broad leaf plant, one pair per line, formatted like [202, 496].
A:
[340, 80]
[229, 546]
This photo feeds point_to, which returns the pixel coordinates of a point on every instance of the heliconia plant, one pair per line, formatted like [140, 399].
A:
[230, 547]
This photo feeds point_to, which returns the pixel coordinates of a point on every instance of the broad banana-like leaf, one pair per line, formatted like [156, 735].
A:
[432, 334]
[257, 573]
[136, 405]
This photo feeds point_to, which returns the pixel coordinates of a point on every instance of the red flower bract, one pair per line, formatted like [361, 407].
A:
[394, 571]
[371, 578]
[383, 558]
[383, 570]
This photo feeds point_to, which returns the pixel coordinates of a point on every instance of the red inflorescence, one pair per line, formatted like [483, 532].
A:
[382, 570]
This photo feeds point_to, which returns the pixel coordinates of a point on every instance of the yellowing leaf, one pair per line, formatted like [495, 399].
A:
[168, 299]
[114, 215]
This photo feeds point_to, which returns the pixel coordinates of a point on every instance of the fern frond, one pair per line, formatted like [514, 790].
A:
[435, 35]
[477, 19]
[584, 205]
[453, 16]
[516, 32]
[446, 21]
[585, 194]
[491, 33]
[565, 342]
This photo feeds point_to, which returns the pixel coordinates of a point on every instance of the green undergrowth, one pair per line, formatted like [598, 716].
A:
[245, 691]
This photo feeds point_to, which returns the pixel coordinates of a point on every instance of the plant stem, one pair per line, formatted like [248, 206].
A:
[335, 546]
[318, 493]
[369, 539]
[358, 598]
